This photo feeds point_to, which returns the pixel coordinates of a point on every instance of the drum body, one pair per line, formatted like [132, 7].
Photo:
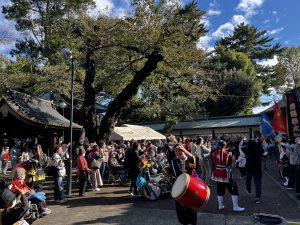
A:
[190, 191]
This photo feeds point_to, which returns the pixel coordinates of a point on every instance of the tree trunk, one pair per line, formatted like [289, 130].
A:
[88, 107]
[115, 107]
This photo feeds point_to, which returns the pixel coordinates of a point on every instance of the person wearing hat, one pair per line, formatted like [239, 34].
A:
[9, 214]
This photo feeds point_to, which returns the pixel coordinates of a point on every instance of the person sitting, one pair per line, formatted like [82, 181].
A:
[116, 167]
[10, 211]
[19, 186]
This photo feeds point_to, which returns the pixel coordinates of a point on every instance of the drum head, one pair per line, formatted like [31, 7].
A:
[180, 185]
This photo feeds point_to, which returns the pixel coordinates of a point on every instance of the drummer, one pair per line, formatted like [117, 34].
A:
[184, 163]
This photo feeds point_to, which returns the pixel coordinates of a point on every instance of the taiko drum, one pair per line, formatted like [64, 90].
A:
[190, 191]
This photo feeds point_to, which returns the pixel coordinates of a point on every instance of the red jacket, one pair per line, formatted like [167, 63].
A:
[222, 160]
[82, 165]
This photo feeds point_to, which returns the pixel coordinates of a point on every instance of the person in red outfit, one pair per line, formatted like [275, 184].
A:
[82, 171]
[222, 159]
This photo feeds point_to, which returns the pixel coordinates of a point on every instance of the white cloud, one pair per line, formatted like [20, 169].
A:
[205, 43]
[266, 21]
[249, 6]
[269, 62]
[237, 19]
[212, 12]
[102, 7]
[224, 30]
[275, 31]
[277, 20]
[274, 12]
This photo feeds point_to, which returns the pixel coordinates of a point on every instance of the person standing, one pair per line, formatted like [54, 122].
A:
[131, 162]
[82, 171]
[292, 154]
[295, 155]
[185, 162]
[222, 174]
[254, 154]
[95, 158]
[59, 177]
[15, 154]
[4, 159]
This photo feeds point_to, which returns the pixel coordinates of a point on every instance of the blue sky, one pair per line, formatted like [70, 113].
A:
[280, 18]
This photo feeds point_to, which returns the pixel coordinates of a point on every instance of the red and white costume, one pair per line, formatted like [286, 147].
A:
[222, 160]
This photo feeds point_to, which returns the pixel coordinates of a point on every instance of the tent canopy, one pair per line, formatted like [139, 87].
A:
[129, 132]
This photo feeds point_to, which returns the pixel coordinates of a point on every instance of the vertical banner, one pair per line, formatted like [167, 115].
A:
[293, 113]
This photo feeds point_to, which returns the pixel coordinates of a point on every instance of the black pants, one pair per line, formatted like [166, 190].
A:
[231, 187]
[298, 179]
[292, 176]
[242, 171]
[82, 182]
[186, 215]
[133, 173]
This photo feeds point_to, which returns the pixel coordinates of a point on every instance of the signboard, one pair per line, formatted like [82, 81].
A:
[293, 114]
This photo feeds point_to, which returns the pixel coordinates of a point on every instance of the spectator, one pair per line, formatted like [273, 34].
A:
[82, 171]
[9, 213]
[132, 164]
[59, 177]
[4, 159]
[292, 154]
[95, 158]
[15, 154]
[253, 168]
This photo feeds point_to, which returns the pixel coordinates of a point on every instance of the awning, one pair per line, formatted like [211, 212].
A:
[133, 132]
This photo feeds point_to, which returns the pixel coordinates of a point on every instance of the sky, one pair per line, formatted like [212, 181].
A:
[279, 18]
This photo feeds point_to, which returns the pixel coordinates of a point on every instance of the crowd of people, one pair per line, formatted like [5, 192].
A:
[151, 167]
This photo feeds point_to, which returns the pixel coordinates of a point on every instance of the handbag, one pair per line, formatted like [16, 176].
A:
[62, 172]
[95, 164]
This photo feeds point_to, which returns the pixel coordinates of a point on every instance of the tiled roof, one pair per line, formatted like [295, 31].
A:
[36, 110]
[209, 123]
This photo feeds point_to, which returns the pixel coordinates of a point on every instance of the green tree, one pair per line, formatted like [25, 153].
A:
[159, 40]
[257, 46]
[40, 22]
[237, 81]
[237, 96]
[289, 66]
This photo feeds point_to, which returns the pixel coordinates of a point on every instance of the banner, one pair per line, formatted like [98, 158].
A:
[293, 113]
[265, 125]
[279, 123]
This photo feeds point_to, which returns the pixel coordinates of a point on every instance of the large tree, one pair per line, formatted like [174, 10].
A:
[257, 45]
[289, 66]
[158, 40]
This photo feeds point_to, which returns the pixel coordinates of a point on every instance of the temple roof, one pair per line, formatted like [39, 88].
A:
[33, 110]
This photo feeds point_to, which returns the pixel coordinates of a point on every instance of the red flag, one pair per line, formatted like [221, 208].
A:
[279, 123]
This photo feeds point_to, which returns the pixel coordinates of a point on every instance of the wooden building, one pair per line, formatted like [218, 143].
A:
[23, 116]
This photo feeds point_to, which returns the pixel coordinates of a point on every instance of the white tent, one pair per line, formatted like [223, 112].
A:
[147, 132]
[133, 132]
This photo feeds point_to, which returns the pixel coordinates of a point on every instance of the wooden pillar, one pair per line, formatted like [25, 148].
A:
[251, 132]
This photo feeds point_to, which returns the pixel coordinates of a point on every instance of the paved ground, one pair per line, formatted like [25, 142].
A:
[113, 205]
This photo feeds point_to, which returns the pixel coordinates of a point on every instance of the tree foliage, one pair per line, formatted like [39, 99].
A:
[289, 66]
[257, 46]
